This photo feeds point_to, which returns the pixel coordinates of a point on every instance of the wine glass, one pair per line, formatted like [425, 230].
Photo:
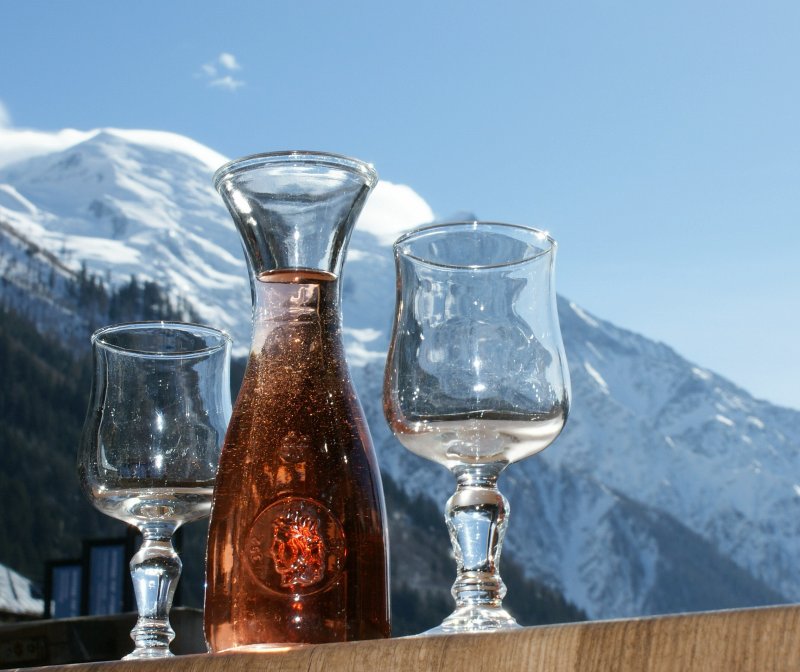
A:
[476, 379]
[158, 412]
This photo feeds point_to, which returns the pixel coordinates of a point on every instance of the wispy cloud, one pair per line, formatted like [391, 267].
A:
[23, 143]
[218, 73]
[5, 116]
[227, 82]
[228, 61]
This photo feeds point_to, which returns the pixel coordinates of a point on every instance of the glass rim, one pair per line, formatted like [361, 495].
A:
[473, 225]
[297, 156]
[224, 339]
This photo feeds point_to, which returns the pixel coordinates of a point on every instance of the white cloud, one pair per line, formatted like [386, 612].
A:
[392, 209]
[227, 82]
[5, 117]
[214, 72]
[228, 61]
[17, 144]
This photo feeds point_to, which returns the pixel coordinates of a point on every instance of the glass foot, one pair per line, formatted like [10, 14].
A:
[475, 619]
[148, 653]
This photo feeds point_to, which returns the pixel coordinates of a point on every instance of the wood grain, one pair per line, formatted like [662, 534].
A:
[757, 640]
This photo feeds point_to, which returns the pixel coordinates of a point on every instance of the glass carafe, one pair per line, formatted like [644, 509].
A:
[297, 549]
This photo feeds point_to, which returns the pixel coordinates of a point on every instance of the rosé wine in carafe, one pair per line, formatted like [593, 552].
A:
[297, 548]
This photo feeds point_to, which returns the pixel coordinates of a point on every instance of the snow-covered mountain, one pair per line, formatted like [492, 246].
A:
[671, 489]
[141, 203]
[18, 595]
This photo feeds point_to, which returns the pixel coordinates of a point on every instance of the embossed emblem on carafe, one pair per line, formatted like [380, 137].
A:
[295, 546]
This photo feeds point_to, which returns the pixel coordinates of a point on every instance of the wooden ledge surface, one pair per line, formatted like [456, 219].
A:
[760, 640]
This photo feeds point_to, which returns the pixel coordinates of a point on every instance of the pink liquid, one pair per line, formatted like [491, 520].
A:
[296, 550]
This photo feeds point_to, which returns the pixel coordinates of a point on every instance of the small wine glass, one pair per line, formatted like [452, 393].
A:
[476, 379]
[158, 412]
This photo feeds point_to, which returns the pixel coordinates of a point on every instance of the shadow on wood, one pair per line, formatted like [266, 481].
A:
[89, 638]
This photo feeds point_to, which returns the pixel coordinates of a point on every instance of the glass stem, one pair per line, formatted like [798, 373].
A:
[476, 517]
[155, 570]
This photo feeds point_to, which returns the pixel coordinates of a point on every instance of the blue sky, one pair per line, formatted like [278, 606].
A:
[658, 142]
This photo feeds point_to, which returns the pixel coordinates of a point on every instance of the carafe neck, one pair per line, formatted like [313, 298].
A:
[293, 304]
[295, 210]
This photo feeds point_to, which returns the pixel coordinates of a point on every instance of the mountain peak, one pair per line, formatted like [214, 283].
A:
[167, 142]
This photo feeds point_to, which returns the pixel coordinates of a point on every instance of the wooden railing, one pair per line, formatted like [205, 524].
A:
[757, 640]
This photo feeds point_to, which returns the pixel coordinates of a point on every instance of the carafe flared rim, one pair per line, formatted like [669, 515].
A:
[543, 238]
[299, 157]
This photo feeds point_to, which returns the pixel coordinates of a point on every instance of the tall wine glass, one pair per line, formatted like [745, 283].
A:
[158, 412]
[476, 379]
